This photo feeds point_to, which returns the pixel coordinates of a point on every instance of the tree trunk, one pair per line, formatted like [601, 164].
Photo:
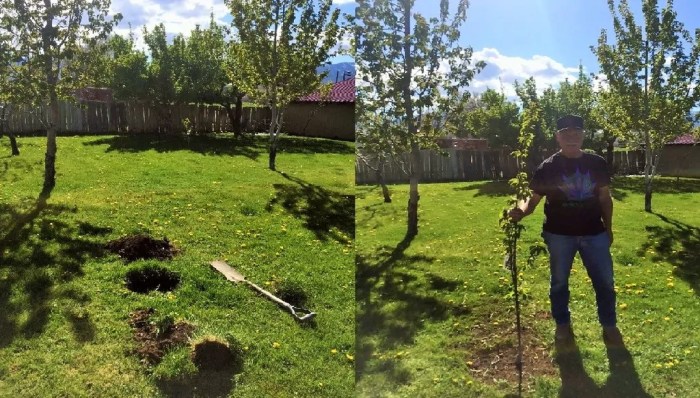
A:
[51, 149]
[237, 130]
[413, 195]
[647, 196]
[416, 165]
[610, 157]
[379, 173]
[13, 144]
[275, 131]
[648, 175]
[232, 117]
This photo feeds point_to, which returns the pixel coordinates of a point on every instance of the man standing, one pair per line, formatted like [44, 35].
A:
[578, 218]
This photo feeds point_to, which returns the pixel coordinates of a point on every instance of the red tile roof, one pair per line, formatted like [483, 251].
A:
[341, 92]
[685, 139]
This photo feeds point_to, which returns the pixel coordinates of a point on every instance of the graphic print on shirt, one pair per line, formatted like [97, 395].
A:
[578, 186]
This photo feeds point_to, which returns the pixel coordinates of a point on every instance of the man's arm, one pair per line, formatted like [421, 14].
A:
[606, 206]
[525, 207]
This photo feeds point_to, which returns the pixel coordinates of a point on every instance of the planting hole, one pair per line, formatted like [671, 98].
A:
[149, 278]
[293, 294]
[214, 355]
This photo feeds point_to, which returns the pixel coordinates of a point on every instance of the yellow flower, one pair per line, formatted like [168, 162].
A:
[349, 357]
[334, 351]
[276, 345]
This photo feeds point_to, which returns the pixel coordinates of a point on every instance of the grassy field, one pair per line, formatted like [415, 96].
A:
[435, 316]
[64, 304]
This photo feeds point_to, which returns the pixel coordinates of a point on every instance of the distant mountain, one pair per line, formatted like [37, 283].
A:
[337, 72]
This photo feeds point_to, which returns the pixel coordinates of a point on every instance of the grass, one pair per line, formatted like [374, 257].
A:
[64, 300]
[435, 317]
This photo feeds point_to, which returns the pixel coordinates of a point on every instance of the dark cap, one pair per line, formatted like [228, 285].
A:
[570, 122]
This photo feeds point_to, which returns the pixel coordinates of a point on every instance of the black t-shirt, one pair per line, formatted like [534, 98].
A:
[571, 187]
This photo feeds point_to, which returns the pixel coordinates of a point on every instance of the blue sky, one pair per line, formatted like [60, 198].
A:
[546, 39]
[181, 16]
[517, 38]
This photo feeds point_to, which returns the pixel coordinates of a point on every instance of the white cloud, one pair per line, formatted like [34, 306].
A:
[503, 70]
[341, 2]
[178, 16]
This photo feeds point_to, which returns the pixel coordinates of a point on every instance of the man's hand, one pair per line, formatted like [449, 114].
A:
[610, 235]
[516, 214]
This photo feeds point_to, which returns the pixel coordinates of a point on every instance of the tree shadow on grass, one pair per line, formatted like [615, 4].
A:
[679, 244]
[623, 380]
[392, 308]
[39, 254]
[621, 186]
[314, 146]
[205, 383]
[492, 189]
[328, 214]
[211, 145]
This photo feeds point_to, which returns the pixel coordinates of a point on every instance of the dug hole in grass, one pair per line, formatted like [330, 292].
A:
[414, 342]
[211, 197]
[207, 366]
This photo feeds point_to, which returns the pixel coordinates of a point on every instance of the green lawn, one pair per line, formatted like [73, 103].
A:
[435, 318]
[64, 304]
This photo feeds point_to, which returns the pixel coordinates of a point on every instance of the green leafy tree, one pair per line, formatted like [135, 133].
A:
[113, 63]
[202, 76]
[279, 45]
[164, 64]
[375, 137]
[128, 71]
[44, 34]
[541, 123]
[8, 92]
[495, 119]
[401, 53]
[655, 68]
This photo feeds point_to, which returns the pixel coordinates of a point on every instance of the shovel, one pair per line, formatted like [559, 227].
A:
[300, 313]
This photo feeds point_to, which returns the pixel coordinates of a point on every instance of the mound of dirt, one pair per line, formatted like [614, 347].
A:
[153, 339]
[142, 246]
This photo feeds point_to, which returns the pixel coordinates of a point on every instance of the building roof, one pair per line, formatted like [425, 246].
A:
[341, 92]
[685, 139]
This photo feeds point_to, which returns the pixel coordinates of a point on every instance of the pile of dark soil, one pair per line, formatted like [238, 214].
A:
[153, 339]
[142, 246]
[149, 278]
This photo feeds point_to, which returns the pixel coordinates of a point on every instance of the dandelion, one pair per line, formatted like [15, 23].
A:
[349, 357]
[276, 345]
[334, 351]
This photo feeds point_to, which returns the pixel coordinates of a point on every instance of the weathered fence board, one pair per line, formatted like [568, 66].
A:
[92, 117]
[475, 165]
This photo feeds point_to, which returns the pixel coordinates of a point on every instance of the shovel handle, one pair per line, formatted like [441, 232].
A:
[292, 309]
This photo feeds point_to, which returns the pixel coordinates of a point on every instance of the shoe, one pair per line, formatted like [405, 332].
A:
[612, 337]
[564, 333]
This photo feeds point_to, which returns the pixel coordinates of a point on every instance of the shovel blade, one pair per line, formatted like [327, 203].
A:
[230, 273]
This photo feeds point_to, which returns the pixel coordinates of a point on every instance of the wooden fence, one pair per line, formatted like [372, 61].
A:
[131, 117]
[475, 165]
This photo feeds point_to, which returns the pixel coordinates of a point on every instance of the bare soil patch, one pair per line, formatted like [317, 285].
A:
[494, 350]
[142, 246]
[155, 338]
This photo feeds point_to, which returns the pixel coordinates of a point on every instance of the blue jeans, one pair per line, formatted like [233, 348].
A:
[595, 254]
